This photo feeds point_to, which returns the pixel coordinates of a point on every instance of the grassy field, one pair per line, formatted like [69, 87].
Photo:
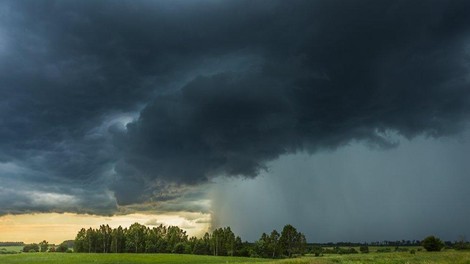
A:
[448, 257]
[12, 248]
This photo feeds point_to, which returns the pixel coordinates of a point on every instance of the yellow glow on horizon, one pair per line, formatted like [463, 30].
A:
[55, 227]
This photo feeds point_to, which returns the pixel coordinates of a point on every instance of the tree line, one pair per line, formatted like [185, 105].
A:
[8, 244]
[44, 246]
[172, 239]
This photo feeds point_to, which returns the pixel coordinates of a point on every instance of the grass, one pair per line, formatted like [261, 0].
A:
[12, 248]
[445, 257]
[83, 258]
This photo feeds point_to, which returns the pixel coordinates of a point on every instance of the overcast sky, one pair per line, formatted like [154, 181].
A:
[348, 119]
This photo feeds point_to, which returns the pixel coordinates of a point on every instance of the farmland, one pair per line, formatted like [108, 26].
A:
[12, 248]
[445, 257]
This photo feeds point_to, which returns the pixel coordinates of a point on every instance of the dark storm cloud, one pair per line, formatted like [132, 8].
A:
[331, 72]
[217, 88]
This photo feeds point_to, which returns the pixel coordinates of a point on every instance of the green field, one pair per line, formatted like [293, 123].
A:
[447, 257]
[12, 248]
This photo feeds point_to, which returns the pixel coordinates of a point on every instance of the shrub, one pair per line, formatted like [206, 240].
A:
[364, 249]
[344, 251]
[4, 251]
[317, 251]
[432, 243]
[400, 249]
[62, 248]
[31, 248]
[384, 250]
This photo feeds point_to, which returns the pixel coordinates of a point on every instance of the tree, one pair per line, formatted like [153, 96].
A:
[135, 238]
[44, 245]
[292, 242]
[273, 245]
[80, 241]
[179, 248]
[432, 243]
[174, 236]
[118, 242]
[203, 245]
[62, 248]
[31, 248]
[261, 246]
[104, 234]
[229, 241]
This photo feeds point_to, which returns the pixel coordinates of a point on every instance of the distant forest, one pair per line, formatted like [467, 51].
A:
[10, 244]
[172, 239]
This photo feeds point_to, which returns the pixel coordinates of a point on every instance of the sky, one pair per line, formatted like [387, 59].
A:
[347, 119]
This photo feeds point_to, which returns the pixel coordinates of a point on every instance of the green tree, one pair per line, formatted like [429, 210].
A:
[261, 247]
[432, 243]
[292, 242]
[62, 248]
[242, 249]
[118, 242]
[80, 241]
[135, 238]
[273, 245]
[202, 245]
[229, 241]
[179, 248]
[44, 246]
[105, 239]
[92, 240]
[31, 248]
[151, 240]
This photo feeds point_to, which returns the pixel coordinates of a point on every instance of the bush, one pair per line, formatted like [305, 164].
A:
[364, 249]
[343, 251]
[31, 248]
[62, 248]
[4, 251]
[399, 249]
[384, 250]
[432, 243]
[317, 251]
[179, 248]
[461, 245]
[412, 251]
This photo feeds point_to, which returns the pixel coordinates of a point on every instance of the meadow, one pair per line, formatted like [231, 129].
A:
[12, 248]
[445, 257]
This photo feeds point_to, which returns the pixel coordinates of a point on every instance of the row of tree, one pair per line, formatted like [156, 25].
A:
[162, 239]
[44, 246]
[8, 243]
[172, 239]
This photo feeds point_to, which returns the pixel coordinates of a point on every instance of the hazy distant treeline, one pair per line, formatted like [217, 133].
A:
[9, 244]
[172, 239]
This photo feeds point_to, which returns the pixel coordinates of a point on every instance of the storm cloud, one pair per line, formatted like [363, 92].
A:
[140, 101]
